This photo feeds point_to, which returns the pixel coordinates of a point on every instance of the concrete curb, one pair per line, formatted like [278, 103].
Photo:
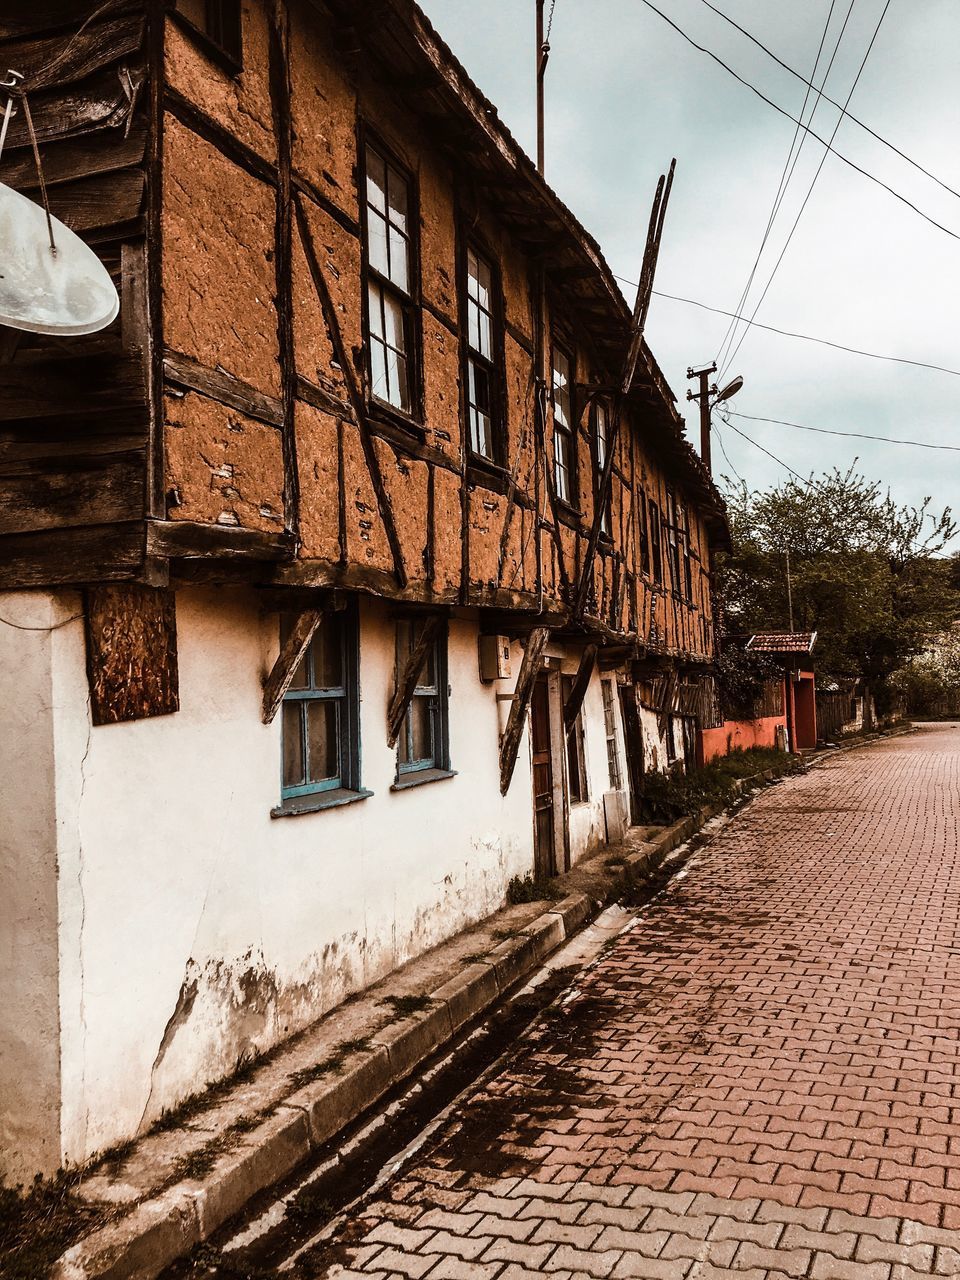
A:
[167, 1224]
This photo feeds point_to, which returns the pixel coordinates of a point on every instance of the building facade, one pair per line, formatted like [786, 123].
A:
[318, 624]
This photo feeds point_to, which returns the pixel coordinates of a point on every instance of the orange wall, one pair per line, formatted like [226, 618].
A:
[739, 734]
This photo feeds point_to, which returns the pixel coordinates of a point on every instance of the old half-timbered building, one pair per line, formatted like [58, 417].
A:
[318, 622]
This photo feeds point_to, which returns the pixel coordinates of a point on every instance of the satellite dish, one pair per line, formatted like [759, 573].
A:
[67, 291]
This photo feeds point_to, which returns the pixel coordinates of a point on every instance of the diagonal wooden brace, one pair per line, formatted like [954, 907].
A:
[408, 677]
[571, 708]
[529, 667]
[291, 655]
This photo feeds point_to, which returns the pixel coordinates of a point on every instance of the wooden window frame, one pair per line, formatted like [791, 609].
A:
[327, 792]
[608, 693]
[674, 556]
[409, 301]
[567, 431]
[578, 785]
[600, 406]
[437, 694]
[656, 541]
[221, 36]
[494, 367]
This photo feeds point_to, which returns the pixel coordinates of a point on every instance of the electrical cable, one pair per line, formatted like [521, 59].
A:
[802, 337]
[723, 450]
[852, 118]
[788, 170]
[770, 103]
[806, 199]
[803, 480]
[858, 435]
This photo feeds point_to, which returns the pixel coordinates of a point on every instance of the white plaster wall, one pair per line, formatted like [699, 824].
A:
[195, 928]
[29, 1023]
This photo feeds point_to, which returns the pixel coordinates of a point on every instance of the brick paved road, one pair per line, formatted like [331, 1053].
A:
[761, 1079]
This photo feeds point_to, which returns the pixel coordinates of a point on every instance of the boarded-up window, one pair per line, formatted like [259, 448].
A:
[131, 653]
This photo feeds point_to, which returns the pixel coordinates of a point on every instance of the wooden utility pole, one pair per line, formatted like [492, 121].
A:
[703, 395]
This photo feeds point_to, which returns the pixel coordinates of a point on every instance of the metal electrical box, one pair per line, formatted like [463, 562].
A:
[494, 657]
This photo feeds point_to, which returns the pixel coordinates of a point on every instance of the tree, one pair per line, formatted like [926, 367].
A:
[868, 575]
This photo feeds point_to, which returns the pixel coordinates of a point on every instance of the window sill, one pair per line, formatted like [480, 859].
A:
[388, 418]
[407, 781]
[486, 473]
[568, 514]
[296, 805]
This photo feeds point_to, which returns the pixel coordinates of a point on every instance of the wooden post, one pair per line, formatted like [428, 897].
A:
[529, 667]
[291, 655]
[574, 702]
[408, 677]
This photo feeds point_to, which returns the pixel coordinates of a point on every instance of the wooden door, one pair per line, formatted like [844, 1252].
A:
[543, 815]
[633, 746]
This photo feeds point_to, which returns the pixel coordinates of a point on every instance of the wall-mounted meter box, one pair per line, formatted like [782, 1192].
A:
[494, 657]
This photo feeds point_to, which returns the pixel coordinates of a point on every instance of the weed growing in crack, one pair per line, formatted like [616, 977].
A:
[309, 1204]
[404, 1005]
[527, 889]
[36, 1225]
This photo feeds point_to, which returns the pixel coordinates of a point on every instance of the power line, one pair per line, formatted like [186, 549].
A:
[806, 199]
[852, 118]
[802, 337]
[723, 450]
[787, 173]
[770, 103]
[859, 435]
[813, 183]
[780, 462]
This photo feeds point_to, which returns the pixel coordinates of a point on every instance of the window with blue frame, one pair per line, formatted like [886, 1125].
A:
[321, 722]
[423, 743]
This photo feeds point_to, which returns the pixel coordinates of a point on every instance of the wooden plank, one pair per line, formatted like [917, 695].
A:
[291, 654]
[219, 385]
[53, 387]
[43, 16]
[132, 668]
[574, 702]
[73, 158]
[63, 493]
[191, 540]
[106, 102]
[103, 201]
[57, 60]
[52, 557]
[529, 667]
[408, 677]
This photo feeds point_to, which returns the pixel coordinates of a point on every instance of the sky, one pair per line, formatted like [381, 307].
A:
[625, 93]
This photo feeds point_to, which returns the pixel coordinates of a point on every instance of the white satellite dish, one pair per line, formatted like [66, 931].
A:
[62, 291]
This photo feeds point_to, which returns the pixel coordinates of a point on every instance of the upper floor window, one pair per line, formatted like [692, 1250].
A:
[320, 715]
[610, 732]
[219, 21]
[564, 439]
[673, 540]
[656, 551]
[600, 441]
[683, 535]
[482, 422]
[423, 740]
[390, 270]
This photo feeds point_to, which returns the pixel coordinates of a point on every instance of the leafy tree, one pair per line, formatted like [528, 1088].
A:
[868, 575]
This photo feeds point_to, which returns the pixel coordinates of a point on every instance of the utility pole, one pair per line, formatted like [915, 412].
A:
[543, 53]
[789, 593]
[703, 395]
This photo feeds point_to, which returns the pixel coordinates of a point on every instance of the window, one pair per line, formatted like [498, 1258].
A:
[600, 439]
[390, 268]
[656, 553]
[610, 729]
[320, 715]
[482, 425]
[576, 760]
[564, 439]
[423, 739]
[671, 741]
[219, 21]
[683, 518]
[673, 543]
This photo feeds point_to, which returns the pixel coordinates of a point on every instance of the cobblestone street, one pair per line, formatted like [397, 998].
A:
[760, 1078]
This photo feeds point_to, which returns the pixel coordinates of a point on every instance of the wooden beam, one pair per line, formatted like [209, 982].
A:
[408, 677]
[529, 667]
[574, 702]
[223, 387]
[288, 660]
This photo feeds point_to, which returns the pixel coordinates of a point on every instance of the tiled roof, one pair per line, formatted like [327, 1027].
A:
[782, 642]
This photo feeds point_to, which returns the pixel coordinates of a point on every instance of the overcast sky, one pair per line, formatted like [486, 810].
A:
[625, 93]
